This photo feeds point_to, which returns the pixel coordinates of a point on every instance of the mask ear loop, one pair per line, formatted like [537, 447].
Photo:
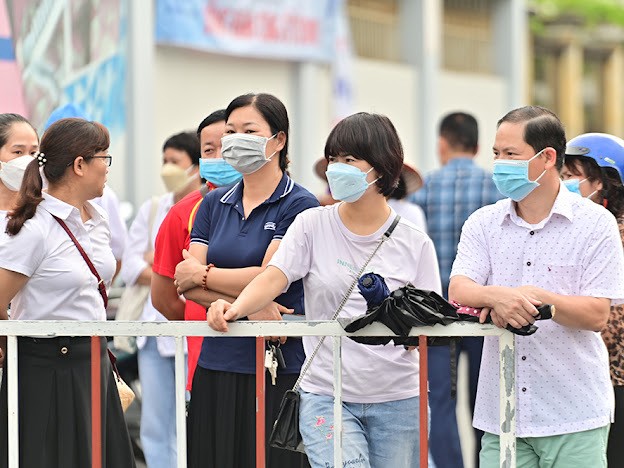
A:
[543, 172]
[274, 152]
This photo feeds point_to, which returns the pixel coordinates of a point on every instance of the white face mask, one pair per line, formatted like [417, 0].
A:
[12, 172]
[245, 153]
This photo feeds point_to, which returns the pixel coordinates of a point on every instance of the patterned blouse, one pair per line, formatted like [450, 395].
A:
[613, 334]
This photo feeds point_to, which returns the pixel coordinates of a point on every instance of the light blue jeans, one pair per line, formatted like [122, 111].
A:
[375, 435]
[158, 426]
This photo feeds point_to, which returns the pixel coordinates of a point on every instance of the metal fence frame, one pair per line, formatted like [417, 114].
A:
[48, 328]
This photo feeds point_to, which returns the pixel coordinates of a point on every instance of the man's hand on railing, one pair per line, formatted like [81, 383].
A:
[510, 307]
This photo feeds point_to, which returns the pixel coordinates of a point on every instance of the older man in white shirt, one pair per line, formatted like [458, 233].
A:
[542, 245]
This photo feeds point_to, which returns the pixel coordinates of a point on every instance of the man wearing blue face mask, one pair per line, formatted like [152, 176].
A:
[542, 245]
[173, 235]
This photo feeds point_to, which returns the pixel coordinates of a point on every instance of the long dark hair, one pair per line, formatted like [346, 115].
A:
[273, 111]
[612, 193]
[61, 144]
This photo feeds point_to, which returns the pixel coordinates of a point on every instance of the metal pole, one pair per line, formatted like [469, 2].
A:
[507, 401]
[337, 401]
[96, 403]
[180, 372]
[12, 376]
[260, 406]
[424, 399]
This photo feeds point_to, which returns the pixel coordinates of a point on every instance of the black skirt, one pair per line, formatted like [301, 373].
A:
[222, 421]
[54, 391]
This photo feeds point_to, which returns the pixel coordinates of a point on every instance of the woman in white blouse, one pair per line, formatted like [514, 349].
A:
[45, 277]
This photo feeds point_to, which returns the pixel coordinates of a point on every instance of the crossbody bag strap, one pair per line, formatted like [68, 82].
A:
[101, 286]
[384, 238]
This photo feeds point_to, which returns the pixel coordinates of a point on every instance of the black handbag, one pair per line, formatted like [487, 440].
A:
[285, 433]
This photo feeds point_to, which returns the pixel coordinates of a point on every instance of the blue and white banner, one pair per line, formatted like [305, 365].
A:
[301, 30]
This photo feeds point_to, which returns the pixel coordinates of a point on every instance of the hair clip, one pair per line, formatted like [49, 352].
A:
[42, 159]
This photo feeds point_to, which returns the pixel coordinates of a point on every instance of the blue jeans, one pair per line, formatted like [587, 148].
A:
[158, 426]
[444, 441]
[375, 435]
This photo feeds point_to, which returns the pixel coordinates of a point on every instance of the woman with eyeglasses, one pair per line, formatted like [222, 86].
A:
[45, 277]
[156, 355]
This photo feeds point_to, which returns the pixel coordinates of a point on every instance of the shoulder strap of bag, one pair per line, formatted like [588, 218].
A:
[152, 216]
[384, 238]
[101, 286]
[191, 219]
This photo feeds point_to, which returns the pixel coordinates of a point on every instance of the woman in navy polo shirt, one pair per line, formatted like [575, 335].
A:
[236, 232]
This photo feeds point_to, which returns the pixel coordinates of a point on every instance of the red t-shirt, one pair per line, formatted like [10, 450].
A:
[174, 236]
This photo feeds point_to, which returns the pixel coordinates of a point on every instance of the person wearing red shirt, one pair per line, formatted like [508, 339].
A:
[174, 234]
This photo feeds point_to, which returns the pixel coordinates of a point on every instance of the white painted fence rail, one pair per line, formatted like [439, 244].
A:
[14, 328]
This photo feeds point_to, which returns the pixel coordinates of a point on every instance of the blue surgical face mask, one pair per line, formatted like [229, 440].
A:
[512, 177]
[347, 183]
[218, 172]
[573, 185]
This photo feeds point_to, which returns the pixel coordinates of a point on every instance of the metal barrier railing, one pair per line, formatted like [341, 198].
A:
[15, 328]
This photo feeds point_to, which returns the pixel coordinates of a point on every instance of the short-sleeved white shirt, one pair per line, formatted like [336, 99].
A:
[60, 284]
[320, 249]
[562, 374]
[3, 220]
[119, 232]
[133, 263]
[410, 211]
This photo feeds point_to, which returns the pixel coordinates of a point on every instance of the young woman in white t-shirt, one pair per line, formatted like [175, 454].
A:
[45, 277]
[326, 247]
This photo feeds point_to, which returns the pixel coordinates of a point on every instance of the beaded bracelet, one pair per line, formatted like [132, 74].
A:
[208, 267]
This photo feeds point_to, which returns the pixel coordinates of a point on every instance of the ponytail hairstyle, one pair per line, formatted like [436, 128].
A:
[61, 144]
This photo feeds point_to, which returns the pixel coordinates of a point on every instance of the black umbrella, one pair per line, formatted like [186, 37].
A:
[409, 307]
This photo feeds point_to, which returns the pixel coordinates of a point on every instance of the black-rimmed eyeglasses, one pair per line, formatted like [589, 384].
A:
[108, 158]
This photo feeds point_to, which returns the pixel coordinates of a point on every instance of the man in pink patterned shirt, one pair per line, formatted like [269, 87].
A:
[542, 245]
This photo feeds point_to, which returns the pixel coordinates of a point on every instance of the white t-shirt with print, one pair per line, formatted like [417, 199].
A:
[320, 249]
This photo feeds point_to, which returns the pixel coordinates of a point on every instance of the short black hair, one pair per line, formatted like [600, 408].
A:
[187, 142]
[273, 111]
[216, 116]
[461, 131]
[372, 138]
[543, 129]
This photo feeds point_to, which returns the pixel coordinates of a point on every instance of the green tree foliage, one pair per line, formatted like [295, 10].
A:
[591, 12]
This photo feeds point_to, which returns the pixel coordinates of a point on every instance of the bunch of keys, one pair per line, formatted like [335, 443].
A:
[274, 359]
